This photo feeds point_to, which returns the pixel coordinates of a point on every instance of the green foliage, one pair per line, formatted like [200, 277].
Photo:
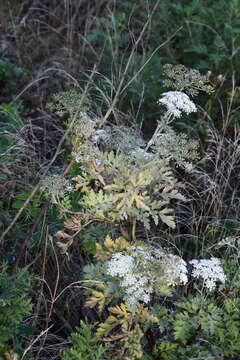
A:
[188, 80]
[177, 147]
[200, 327]
[126, 189]
[204, 317]
[15, 305]
[85, 345]
[92, 236]
[16, 152]
[123, 316]
[206, 40]
[131, 328]
[109, 247]
[10, 75]
[67, 103]
[209, 29]
[130, 195]
[11, 141]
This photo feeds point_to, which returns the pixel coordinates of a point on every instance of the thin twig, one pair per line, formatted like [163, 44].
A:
[34, 341]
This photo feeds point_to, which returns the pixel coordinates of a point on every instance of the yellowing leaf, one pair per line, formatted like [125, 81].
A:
[108, 242]
[168, 220]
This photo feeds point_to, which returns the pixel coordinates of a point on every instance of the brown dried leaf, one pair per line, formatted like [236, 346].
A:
[74, 223]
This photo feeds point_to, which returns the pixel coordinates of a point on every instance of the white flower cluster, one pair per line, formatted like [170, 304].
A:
[56, 186]
[136, 271]
[176, 270]
[209, 270]
[137, 286]
[85, 126]
[177, 102]
[144, 267]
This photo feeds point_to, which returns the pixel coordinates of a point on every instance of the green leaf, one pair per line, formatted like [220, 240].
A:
[3, 176]
[17, 204]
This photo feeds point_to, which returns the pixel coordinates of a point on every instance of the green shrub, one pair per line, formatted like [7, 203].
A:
[10, 77]
[85, 345]
[199, 328]
[15, 306]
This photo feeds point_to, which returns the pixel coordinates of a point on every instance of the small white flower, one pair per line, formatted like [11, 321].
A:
[137, 286]
[176, 103]
[209, 270]
[175, 271]
[120, 265]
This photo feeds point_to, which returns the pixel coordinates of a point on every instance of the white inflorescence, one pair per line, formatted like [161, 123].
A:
[137, 274]
[136, 285]
[176, 270]
[209, 270]
[120, 265]
[56, 186]
[176, 103]
[138, 271]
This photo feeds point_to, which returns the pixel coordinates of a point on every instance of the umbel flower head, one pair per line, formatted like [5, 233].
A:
[209, 270]
[143, 269]
[176, 103]
[137, 285]
[55, 186]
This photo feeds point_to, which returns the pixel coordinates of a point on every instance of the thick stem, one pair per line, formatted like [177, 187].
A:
[134, 221]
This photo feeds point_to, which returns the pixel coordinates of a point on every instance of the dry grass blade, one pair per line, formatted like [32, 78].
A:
[52, 160]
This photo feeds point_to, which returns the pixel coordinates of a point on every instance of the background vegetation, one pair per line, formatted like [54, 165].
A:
[111, 55]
